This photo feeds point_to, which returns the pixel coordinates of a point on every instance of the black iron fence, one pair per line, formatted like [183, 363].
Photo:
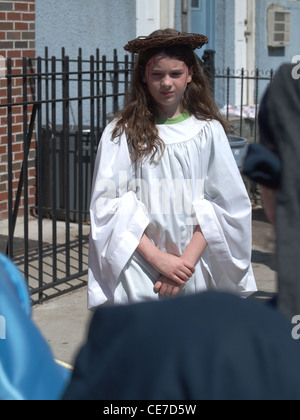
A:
[66, 104]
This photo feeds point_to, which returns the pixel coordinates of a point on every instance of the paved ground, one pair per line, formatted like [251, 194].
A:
[64, 321]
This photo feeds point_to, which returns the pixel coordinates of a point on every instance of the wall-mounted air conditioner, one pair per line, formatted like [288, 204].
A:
[279, 27]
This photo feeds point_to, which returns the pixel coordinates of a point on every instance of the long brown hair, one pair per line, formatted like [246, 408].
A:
[139, 116]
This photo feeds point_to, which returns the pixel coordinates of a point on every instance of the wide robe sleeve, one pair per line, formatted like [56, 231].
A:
[118, 218]
[224, 215]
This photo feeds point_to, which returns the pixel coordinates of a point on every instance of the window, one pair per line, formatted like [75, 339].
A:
[196, 4]
[279, 27]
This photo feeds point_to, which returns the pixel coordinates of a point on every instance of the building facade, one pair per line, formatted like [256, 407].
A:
[249, 34]
[103, 24]
[245, 34]
[86, 24]
[17, 40]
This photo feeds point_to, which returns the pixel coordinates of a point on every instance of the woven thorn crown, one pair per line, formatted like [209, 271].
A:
[144, 43]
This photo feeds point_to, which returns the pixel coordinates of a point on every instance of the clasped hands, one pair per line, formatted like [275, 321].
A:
[175, 272]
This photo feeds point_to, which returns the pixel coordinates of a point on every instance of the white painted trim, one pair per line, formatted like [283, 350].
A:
[167, 14]
[148, 14]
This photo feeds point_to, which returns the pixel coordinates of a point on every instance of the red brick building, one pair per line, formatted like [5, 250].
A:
[17, 40]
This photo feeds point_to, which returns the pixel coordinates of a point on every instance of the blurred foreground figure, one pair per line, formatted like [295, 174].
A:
[28, 370]
[275, 163]
[207, 346]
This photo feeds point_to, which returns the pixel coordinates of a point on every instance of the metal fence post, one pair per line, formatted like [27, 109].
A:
[10, 247]
[40, 192]
[208, 59]
[66, 148]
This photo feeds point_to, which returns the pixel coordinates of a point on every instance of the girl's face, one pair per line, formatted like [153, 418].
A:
[167, 79]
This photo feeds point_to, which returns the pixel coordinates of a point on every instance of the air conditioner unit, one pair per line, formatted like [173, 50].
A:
[279, 27]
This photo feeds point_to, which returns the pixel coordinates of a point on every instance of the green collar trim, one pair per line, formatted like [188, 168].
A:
[170, 121]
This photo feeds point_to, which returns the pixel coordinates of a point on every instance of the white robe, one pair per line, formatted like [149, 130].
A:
[196, 182]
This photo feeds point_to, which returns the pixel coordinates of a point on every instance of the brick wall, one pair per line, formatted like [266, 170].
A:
[17, 40]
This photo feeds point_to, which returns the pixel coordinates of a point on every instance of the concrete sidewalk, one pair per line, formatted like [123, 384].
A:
[64, 321]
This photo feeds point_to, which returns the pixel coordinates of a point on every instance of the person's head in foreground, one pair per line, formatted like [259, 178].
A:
[274, 163]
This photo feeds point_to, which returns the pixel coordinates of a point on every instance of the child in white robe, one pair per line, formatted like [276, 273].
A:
[170, 215]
